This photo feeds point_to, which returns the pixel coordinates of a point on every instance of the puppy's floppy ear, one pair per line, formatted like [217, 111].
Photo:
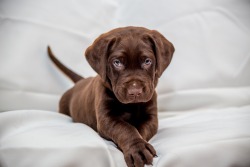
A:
[97, 54]
[164, 51]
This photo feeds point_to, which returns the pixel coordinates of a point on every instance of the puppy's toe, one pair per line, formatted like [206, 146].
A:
[140, 154]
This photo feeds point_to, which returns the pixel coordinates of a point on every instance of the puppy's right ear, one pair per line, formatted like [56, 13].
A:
[97, 54]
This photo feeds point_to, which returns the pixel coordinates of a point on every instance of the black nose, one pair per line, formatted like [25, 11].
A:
[135, 91]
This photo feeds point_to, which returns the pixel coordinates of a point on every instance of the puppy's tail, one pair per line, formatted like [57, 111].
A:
[72, 75]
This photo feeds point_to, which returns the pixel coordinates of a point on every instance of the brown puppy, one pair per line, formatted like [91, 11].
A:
[120, 103]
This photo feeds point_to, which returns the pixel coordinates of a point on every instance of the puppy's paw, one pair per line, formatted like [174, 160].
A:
[139, 153]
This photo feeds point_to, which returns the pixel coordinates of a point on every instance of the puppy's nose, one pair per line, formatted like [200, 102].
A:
[135, 91]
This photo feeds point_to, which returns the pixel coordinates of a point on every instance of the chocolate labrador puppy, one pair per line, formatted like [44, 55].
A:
[120, 102]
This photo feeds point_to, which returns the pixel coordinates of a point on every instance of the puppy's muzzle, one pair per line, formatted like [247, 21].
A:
[135, 92]
[134, 89]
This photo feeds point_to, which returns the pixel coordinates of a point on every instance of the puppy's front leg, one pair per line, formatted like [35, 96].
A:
[149, 123]
[148, 128]
[136, 150]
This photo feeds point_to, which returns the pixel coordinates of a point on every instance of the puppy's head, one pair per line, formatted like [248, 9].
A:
[130, 60]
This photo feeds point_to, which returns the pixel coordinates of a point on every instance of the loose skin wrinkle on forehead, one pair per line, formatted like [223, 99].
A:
[132, 48]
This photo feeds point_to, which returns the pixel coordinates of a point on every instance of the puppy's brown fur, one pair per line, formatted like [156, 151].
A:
[120, 103]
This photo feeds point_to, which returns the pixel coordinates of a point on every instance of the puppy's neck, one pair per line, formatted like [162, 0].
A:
[106, 83]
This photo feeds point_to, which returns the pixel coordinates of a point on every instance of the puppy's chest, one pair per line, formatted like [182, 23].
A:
[133, 114]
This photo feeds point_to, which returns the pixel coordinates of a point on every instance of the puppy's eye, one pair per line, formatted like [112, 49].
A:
[117, 63]
[148, 62]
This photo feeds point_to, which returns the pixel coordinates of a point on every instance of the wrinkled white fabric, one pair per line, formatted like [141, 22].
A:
[203, 138]
[203, 96]
[211, 39]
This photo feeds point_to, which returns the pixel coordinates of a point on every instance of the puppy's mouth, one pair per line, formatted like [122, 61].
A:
[135, 99]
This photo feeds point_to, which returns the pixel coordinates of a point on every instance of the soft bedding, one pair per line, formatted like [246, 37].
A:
[202, 138]
[203, 97]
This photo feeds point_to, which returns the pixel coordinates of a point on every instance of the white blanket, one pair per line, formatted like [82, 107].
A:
[218, 138]
[203, 97]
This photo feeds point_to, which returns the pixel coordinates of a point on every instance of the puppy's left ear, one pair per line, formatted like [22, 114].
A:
[164, 51]
[97, 54]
